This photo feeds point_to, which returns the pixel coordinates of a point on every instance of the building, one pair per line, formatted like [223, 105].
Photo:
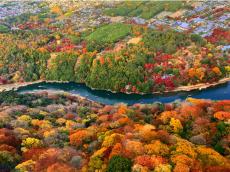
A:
[183, 26]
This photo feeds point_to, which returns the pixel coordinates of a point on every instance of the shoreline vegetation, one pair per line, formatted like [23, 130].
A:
[200, 86]
[161, 60]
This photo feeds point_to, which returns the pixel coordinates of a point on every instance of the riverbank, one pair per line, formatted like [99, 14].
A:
[8, 87]
[200, 86]
[187, 88]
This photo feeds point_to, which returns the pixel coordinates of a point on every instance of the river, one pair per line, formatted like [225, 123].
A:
[220, 92]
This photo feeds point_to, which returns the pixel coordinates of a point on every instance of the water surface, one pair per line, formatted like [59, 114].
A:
[220, 92]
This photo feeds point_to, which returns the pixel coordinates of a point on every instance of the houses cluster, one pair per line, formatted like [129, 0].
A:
[84, 14]
[88, 17]
[202, 19]
[16, 8]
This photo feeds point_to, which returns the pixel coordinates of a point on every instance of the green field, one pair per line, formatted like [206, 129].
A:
[108, 34]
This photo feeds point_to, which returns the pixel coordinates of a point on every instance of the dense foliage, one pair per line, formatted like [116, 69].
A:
[70, 134]
[25, 64]
[166, 42]
[122, 54]
[159, 61]
[61, 67]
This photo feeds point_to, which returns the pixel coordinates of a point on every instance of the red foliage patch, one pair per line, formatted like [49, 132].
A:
[145, 160]
[219, 34]
[33, 154]
[7, 137]
[216, 169]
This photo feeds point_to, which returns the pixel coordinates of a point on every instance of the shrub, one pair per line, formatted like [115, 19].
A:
[222, 131]
[76, 161]
[145, 160]
[60, 167]
[176, 125]
[119, 163]
[25, 166]
[80, 137]
[95, 163]
[163, 168]
[30, 143]
[156, 148]
[210, 157]
[198, 139]
[82, 111]
[4, 29]
[197, 39]
[8, 161]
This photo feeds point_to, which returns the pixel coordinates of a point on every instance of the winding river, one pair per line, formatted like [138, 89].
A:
[219, 92]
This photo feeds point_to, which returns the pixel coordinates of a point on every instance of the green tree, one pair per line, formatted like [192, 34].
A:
[119, 163]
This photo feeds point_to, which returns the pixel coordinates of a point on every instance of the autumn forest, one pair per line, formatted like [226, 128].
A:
[121, 55]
